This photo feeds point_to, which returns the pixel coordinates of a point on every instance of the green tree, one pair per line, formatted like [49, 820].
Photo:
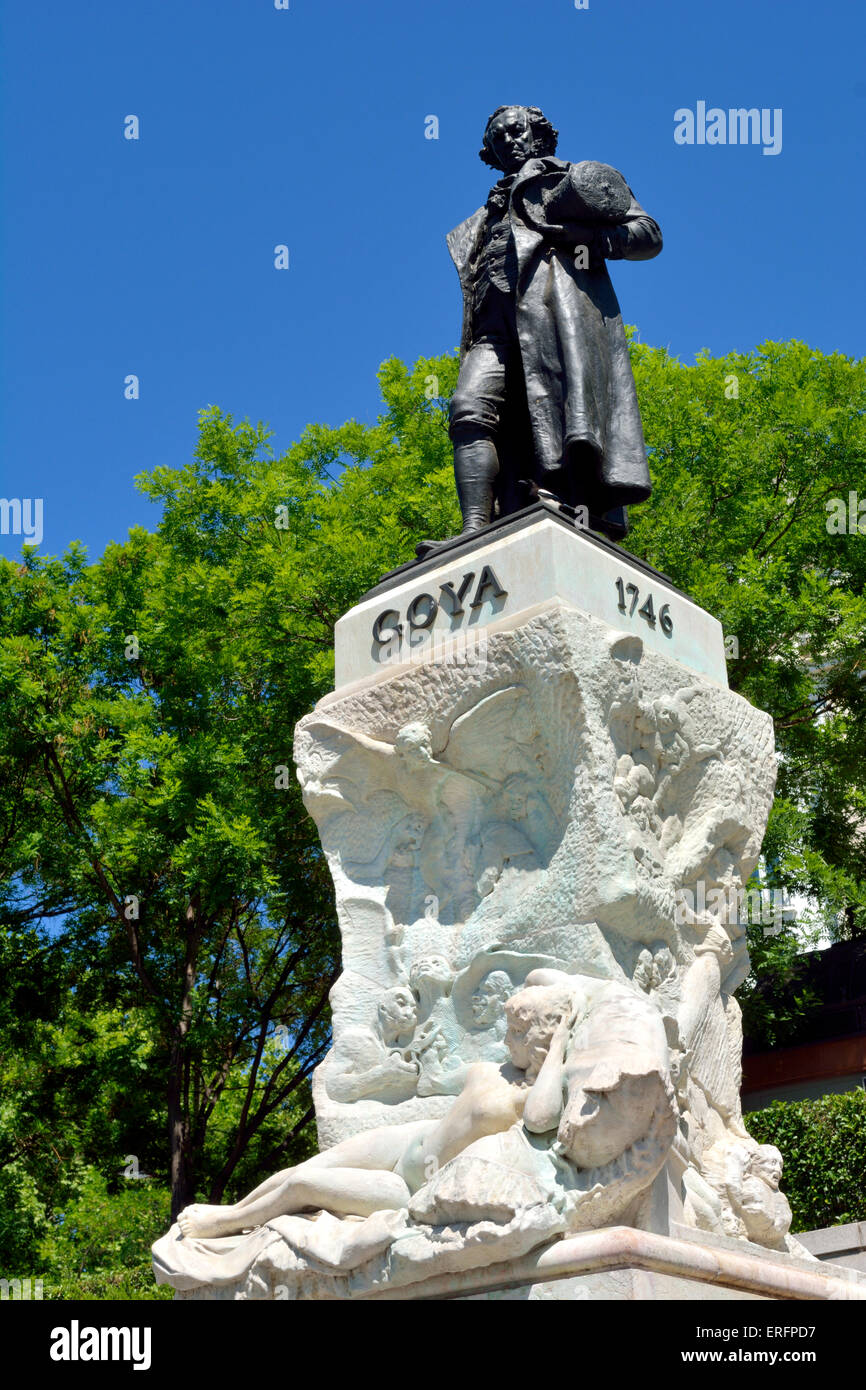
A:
[156, 823]
[747, 454]
[149, 702]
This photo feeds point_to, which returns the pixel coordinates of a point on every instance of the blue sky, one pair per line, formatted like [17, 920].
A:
[306, 127]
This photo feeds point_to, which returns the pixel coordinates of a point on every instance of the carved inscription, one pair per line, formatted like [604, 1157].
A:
[390, 627]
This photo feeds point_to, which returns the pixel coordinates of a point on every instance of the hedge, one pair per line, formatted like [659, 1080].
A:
[823, 1143]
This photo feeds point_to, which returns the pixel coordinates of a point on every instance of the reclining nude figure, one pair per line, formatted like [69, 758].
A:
[558, 1079]
[380, 1169]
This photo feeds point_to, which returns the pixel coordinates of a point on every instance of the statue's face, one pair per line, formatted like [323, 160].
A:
[399, 1010]
[414, 743]
[666, 717]
[722, 868]
[510, 138]
[513, 801]
[486, 1002]
[627, 689]
[481, 1001]
[643, 970]
[431, 970]
[767, 1164]
[411, 833]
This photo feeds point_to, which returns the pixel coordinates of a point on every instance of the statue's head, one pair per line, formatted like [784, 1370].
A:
[408, 833]
[514, 134]
[430, 976]
[414, 742]
[398, 1013]
[533, 1015]
[767, 1164]
[489, 997]
[513, 796]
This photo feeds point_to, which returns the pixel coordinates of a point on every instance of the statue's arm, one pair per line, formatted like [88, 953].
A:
[463, 240]
[394, 1079]
[635, 237]
[358, 1069]
[543, 1107]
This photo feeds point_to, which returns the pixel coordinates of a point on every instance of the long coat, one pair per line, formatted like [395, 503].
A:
[580, 390]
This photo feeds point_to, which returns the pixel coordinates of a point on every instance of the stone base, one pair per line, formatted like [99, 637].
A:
[620, 1286]
[419, 614]
[557, 824]
[838, 1245]
[616, 1263]
[623, 1264]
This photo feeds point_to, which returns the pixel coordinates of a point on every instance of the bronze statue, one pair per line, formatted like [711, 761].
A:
[545, 406]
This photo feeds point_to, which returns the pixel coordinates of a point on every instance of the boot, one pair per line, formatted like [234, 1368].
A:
[476, 465]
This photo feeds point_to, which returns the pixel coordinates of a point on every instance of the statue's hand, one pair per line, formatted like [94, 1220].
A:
[561, 1034]
[595, 240]
[398, 1066]
[426, 1036]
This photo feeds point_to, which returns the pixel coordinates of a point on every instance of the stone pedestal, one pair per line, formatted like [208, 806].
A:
[531, 758]
[540, 804]
[615, 1264]
[446, 605]
[623, 1265]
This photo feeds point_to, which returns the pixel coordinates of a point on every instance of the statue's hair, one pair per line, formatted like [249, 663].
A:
[546, 1004]
[412, 735]
[544, 135]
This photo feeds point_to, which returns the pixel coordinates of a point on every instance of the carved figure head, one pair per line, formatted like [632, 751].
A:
[414, 743]
[489, 998]
[430, 977]
[408, 833]
[513, 796]
[398, 1013]
[668, 715]
[643, 971]
[514, 134]
[533, 1015]
[766, 1163]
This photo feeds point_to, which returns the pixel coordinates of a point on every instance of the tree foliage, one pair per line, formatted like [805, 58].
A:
[743, 491]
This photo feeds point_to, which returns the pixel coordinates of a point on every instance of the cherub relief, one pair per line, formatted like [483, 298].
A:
[462, 824]
[461, 1014]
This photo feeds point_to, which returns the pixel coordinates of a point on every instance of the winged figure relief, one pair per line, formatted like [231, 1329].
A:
[453, 820]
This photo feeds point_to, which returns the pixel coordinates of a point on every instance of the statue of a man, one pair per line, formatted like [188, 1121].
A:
[545, 400]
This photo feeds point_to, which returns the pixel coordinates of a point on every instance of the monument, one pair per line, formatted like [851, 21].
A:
[540, 804]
